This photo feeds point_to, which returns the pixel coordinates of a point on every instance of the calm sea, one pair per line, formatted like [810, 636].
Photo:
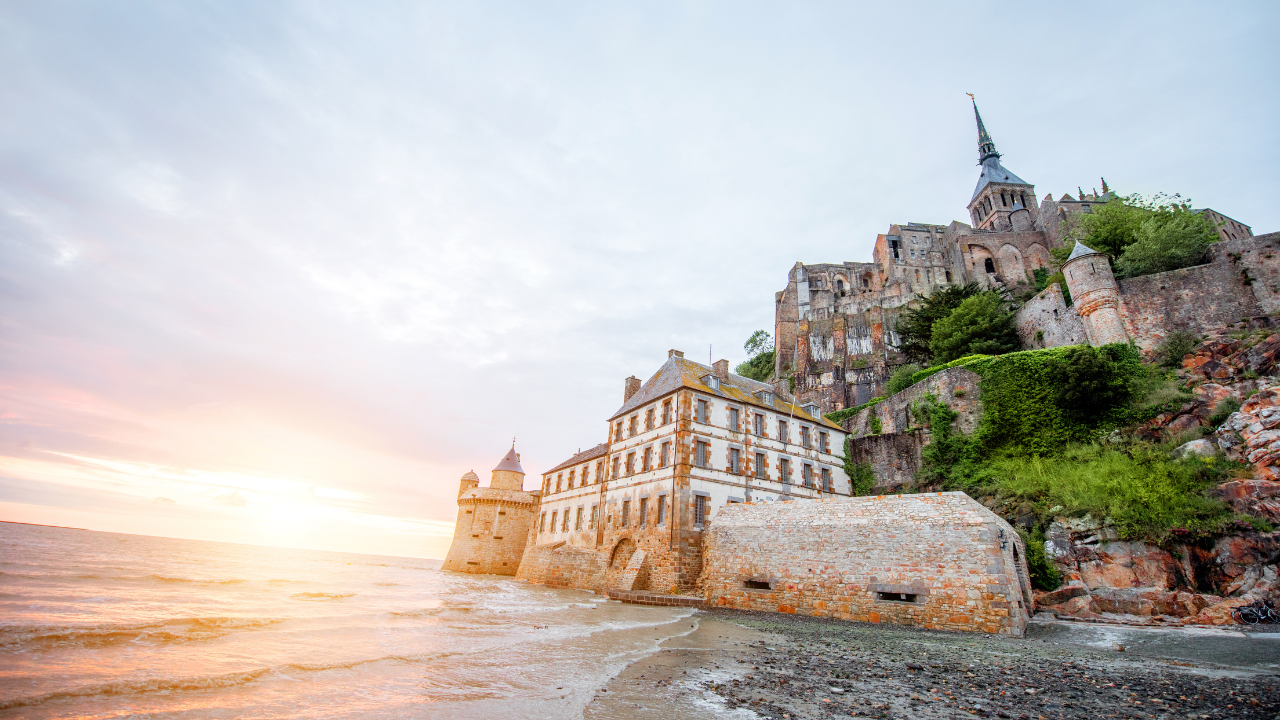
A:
[101, 625]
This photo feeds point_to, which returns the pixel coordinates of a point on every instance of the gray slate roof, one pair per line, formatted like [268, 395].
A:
[993, 171]
[1080, 250]
[511, 461]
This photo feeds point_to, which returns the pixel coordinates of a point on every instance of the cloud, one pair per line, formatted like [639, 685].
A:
[164, 501]
[233, 498]
[244, 254]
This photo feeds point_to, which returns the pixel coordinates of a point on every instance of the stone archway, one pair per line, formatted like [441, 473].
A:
[621, 554]
[1011, 266]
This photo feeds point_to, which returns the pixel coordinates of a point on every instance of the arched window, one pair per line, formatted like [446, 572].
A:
[1003, 200]
[990, 266]
[839, 285]
[948, 276]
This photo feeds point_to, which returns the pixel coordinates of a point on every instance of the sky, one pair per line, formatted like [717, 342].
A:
[281, 272]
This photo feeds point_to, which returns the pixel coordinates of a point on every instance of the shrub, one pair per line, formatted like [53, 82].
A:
[1091, 381]
[1044, 574]
[760, 363]
[915, 325]
[1169, 239]
[874, 425]
[981, 324]
[861, 475]
[901, 379]
[1222, 411]
[839, 416]
[1175, 346]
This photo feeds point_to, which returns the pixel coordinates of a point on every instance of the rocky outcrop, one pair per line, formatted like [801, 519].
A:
[1112, 580]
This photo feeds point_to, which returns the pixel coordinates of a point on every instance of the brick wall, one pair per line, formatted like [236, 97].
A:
[491, 531]
[845, 558]
[562, 565]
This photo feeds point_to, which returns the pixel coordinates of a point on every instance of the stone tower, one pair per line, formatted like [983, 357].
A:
[1002, 200]
[1096, 295]
[493, 522]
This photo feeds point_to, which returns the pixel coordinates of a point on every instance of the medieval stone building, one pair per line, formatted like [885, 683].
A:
[493, 522]
[630, 513]
[834, 323]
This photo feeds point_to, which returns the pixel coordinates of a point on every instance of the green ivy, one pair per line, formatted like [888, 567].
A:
[861, 476]
[1044, 574]
[839, 416]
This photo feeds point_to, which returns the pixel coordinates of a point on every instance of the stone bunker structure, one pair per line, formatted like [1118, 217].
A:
[940, 561]
[493, 522]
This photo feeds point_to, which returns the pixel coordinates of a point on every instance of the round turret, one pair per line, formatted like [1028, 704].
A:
[468, 481]
[508, 475]
[1096, 295]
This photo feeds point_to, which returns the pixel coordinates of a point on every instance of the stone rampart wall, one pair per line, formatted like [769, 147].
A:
[940, 561]
[956, 387]
[563, 565]
[489, 536]
[1045, 321]
[1195, 299]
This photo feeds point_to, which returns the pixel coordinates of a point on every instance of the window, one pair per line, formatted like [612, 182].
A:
[633, 426]
[615, 467]
[646, 463]
[585, 468]
[617, 431]
[702, 412]
[896, 597]
[626, 513]
[564, 521]
[631, 463]
[804, 436]
[577, 520]
[559, 480]
[733, 420]
[700, 510]
[648, 419]
[989, 266]
[662, 509]
[757, 585]
[759, 424]
[702, 453]
[666, 454]
[644, 511]
[762, 464]
[824, 442]
[826, 480]
[782, 430]
[594, 509]
[784, 469]
[571, 474]
[553, 520]
[599, 469]
[542, 523]
[734, 460]
[666, 412]
[806, 474]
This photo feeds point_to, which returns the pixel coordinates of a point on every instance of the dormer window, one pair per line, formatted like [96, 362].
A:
[811, 408]
[711, 381]
[766, 397]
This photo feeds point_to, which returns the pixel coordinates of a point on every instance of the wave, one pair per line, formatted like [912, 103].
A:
[323, 596]
[167, 579]
[31, 637]
[203, 682]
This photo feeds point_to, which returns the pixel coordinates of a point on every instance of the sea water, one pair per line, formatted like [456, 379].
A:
[105, 625]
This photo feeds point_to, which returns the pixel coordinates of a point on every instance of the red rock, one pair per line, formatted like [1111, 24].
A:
[1128, 565]
[1248, 488]
[1182, 424]
[1210, 394]
[1061, 595]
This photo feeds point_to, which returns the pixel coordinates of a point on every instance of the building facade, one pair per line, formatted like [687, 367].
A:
[493, 522]
[834, 322]
[684, 444]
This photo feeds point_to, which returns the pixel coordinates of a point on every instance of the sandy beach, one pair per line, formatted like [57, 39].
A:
[744, 665]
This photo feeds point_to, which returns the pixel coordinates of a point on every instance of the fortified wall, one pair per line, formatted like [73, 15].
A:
[940, 561]
[493, 522]
[1240, 283]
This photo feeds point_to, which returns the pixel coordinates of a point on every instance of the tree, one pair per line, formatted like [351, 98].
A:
[901, 378]
[1168, 239]
[760, 357]
[982, 324]
[1093, 381]
[1111, 227]
[915, 326]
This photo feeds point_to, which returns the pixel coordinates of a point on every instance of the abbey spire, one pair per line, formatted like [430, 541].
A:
[986, 146]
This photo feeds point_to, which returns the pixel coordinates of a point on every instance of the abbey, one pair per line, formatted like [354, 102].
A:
[834, 323]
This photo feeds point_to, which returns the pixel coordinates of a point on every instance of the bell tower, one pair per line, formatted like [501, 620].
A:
[1002, 201]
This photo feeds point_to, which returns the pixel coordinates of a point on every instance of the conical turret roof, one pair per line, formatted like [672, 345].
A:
[510, 462]
[1080, 250]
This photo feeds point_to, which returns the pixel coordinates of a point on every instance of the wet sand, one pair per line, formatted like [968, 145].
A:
[749, 665]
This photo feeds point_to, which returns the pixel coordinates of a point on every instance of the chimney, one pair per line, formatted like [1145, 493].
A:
[721, 369]
[631, 388]
[674, 353]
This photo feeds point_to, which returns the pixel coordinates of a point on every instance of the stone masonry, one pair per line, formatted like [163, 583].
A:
[940, 561]
[493, 522]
